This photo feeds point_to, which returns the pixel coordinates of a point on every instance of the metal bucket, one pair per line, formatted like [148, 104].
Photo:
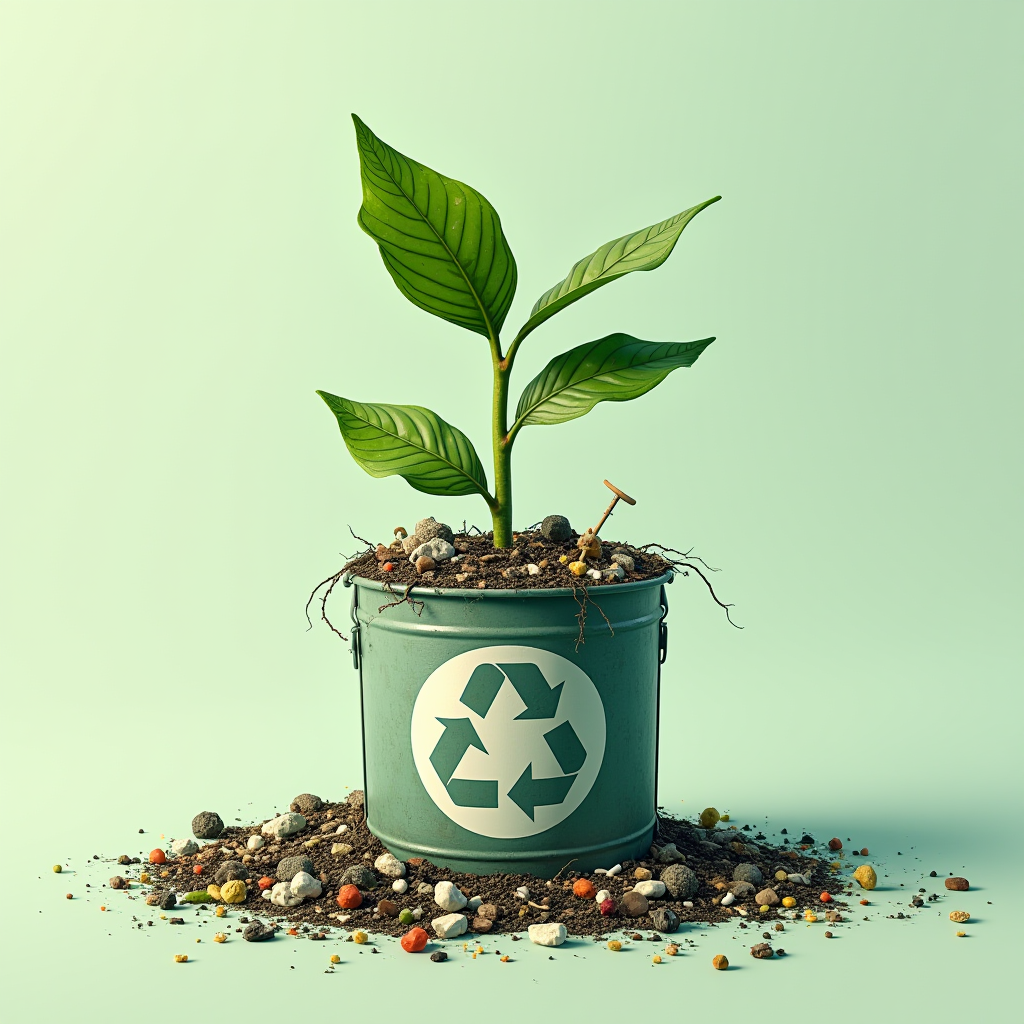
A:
[491, 743]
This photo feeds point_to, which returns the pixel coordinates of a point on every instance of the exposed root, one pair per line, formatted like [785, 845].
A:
[402, 599]
[331, 582]
[683, 565]
[559, 871]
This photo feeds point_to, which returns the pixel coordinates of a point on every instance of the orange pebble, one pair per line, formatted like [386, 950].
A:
[157, 857]
[825, 897]
[864, 903]
[584, 888]
[388, 566]
[293, 931]
[349, 897]
[265, 883]
[103, 908]
[414, 940]
[198, 869]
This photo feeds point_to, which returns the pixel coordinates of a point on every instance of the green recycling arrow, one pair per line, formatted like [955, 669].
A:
[565, 745]
[482, 688]
[530, 793]
[540, 699]
[458, 736]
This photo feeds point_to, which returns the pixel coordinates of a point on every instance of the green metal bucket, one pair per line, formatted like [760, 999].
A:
[491, 744]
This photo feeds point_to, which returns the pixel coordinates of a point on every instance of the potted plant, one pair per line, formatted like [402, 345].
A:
[492, 738]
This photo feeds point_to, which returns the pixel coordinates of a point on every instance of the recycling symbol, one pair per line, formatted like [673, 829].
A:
[508, 740]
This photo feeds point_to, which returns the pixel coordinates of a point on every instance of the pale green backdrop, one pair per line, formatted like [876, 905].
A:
[181, 269]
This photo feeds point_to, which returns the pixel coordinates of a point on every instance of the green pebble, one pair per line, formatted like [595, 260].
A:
[200, 896]
[406, 916]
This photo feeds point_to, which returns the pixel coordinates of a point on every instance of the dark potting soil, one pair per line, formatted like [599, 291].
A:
[713, 864]
[482, 566]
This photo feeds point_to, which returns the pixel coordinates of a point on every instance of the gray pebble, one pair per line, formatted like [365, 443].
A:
[556, 528]
[257, 932]
[306, 804]
[664, 920]
[680, 881]
[231, 870]
[207, 825]
[747, 873]
[357, 875]
[429, 528]
[289, 867]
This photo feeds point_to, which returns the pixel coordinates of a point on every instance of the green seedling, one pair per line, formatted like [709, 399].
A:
[443, 245]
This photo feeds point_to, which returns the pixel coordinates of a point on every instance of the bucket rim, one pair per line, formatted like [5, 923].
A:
[506, 593]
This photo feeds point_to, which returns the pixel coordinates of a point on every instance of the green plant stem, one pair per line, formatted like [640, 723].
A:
[501, 508]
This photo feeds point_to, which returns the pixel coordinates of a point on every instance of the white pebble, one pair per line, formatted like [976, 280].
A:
[344, 918]
[594, 574]
[281, 895]
[798, 879]
[304, 885]
[533, 570]
[551, 933]
[597, 871]
[612, 872]
[448, 897]
[742, 911]
[284, 825]
[688, 904]
[340, 829]
[184, 847]
[255, 842]
[388, 864]
[417, 913]
[449, 926]
[728, 899]
[475, 903]
[603, 895]
[400, 885]
[523, 893]
[652, 888]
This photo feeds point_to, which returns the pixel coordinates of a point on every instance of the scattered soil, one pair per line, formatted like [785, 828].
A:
[712, 863]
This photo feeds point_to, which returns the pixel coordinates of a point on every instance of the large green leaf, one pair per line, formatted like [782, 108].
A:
[440, 239]
[612, 369]
[410, 441]
[646, 249]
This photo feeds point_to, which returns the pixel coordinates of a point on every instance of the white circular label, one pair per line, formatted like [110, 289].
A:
[508, 740]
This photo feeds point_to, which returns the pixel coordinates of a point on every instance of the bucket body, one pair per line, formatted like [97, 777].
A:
[493, 742]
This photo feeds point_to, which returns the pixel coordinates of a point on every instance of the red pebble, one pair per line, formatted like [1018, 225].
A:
[265, 883]
[414, 940]
[157, 857]
[825, 897]
[607, 907]
[349, 897]
[198, 869]
[388, 566]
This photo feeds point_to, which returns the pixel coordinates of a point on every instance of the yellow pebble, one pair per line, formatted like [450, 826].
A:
[672, 949]
[199, 940]
[866, 876]
[725, 817]
[577, 568]
[233, 891]
[465, 947]
[614, 945]
[960, 935]
[163, 917]
[220, 937]
[479, 949]
[764, 908]
[523, 911]
[781, 876]
[220, 911]
[788, 902]
[655, 959]
[335, 959]
[165, 874]
[214, 890]
[810, 915]
[144, 877]
[563, 559]
[709, 817]
[57, 868]
[181, 958]
[474, 956]
[360, 937]
[959, 916]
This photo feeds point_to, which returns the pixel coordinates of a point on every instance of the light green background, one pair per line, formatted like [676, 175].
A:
[181, 268]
